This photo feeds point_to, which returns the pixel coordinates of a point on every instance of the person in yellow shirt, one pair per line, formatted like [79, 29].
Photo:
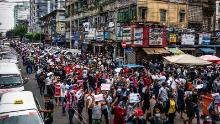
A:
[171, 109]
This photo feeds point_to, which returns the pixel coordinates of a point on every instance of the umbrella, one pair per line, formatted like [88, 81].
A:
[210, 58]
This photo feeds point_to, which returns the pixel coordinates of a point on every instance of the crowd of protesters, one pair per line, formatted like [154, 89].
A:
[164, 91]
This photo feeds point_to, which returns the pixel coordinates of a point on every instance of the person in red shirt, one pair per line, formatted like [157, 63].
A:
[67, 69]
[119, 114]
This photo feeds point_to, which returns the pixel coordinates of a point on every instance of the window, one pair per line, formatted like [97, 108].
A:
[142, 12]
[182, 16]
[219, 7]
[163, 15]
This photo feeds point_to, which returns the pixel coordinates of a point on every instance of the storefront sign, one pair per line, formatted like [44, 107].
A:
[204, 38]
[99, 35]
[188, 39]
[138, 36]
[119, 34]
[106, 35]
[92, 34]
[86, 26]
[172, 38]
[156, 36]
[127, 35]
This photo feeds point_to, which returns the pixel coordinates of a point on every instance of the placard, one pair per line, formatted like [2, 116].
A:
[99, 97]
[105, 86]
[156, 36]
[134, 98]
[57, 90]
[138, 36]
[188, 39]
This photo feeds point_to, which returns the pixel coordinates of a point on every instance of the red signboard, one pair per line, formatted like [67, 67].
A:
[57, 90]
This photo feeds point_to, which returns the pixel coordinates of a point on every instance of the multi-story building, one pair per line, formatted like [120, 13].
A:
[202, 15]
[217, 27]
[53, 23]
[21, 13]
[102, 19]
[38, 8]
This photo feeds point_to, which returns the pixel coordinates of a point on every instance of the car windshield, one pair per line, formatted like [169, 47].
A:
[22, 117]
[10, 80]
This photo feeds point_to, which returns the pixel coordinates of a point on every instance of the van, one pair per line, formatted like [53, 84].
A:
[10, 78]
[20, 108]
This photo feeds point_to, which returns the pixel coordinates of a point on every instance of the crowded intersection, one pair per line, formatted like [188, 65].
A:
[83, 88]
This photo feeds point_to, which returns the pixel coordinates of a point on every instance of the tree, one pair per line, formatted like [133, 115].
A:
[10, 34]
[20, 31]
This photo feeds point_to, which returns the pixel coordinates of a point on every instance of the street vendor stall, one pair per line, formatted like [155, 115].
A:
[186, 59]
[210, 58]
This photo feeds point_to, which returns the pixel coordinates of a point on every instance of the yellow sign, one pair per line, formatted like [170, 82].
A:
[18, 102]
[172, 38]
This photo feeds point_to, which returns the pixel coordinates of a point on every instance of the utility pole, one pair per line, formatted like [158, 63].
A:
[116, 26]
[70, 35]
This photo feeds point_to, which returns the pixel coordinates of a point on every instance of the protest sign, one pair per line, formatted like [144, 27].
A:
[57, 90]
[105, 86]
[134, 98]
[99, 97]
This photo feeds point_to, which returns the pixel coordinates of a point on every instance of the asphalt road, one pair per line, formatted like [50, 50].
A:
[57, 115]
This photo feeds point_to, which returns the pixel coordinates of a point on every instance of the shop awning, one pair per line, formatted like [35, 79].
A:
[187, 49]
[155, 51]
[207, 50]
[175, 51]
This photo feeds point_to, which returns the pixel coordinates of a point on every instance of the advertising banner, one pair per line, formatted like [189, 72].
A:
[204, 38]
[106, 35]
[138, 36]
[156, 36]
[126, 35]
[188, 39]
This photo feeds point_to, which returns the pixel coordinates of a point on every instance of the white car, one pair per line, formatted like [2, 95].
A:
[20, 108]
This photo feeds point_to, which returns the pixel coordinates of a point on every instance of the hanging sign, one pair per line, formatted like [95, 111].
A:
[138, 36]
[99, 35]
[126, 35]
[188, 39]
[156, 36]
[204, 38]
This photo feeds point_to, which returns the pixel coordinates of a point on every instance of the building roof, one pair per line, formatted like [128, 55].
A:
[8, 100]
[9, 68]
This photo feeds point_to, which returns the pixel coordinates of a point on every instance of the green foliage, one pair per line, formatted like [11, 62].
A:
[20, 30]
[10, 34]
[34, 36]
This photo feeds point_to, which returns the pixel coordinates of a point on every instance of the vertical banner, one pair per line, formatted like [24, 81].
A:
[156, 37]
[126, 35]
[138, 36]
[119, 34]
[145, 36]
[57, 90]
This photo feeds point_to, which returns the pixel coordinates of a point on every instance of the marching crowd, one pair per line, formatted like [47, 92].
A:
[154, 94]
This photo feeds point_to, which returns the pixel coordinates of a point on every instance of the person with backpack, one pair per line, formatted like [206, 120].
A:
[170, 109]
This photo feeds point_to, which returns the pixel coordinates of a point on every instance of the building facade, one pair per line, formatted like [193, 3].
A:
[21, 13]
[53, 23]
[217, 27]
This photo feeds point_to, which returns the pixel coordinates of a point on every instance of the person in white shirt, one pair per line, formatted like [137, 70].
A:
[48, 82]
[163, 93]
